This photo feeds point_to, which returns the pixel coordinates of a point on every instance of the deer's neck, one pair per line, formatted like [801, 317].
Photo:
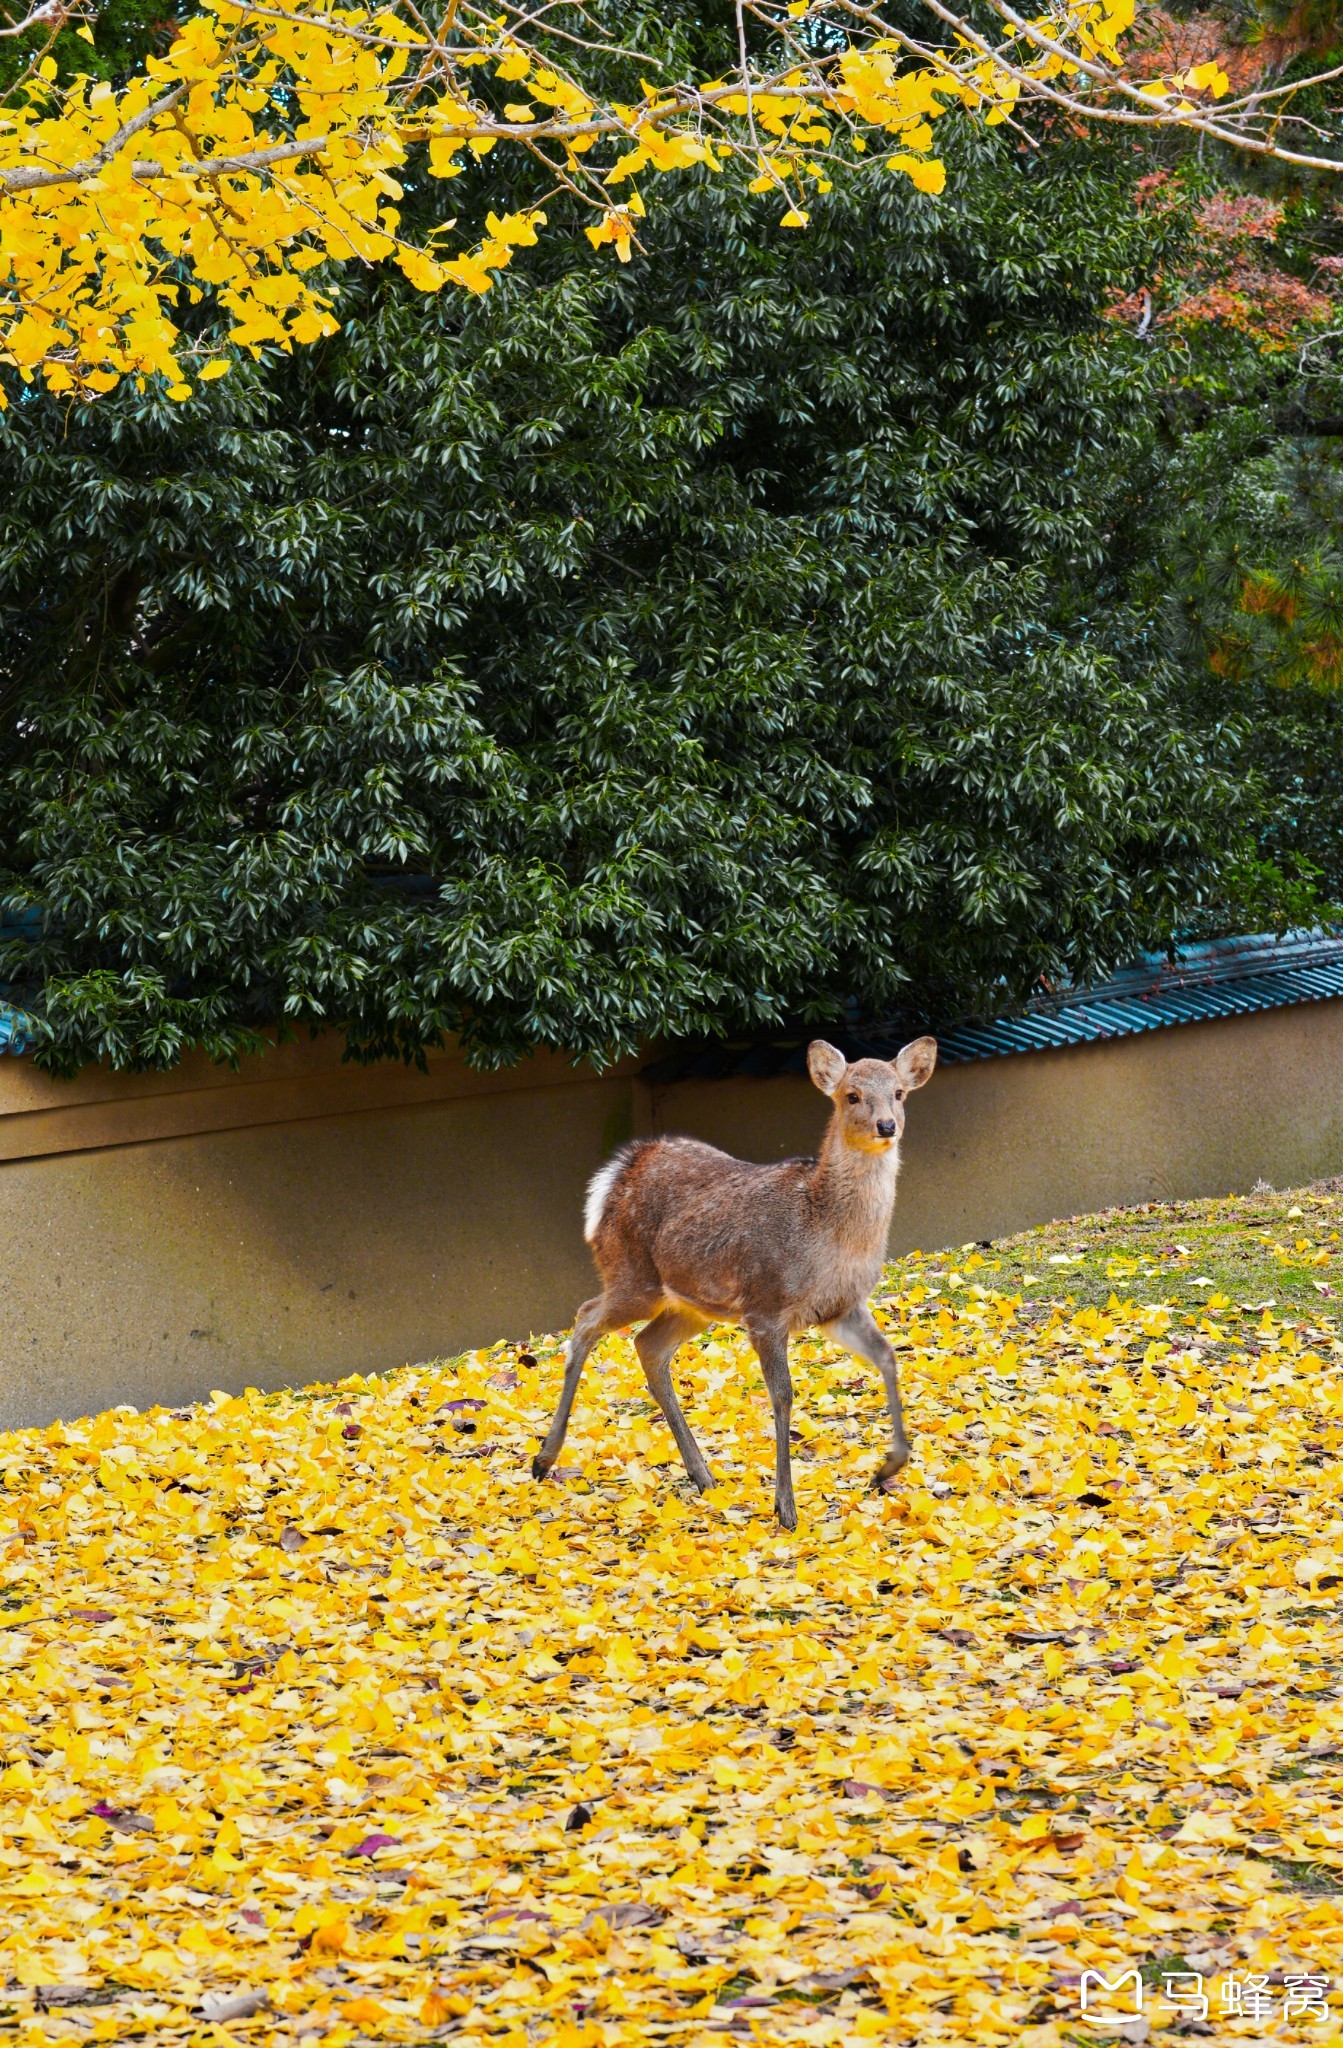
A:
[855, 1192]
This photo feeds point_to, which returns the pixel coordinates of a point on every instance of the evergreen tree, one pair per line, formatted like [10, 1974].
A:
[702, 645]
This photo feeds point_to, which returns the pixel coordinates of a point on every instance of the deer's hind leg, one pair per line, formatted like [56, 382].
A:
[860, 1332]
[771, 1348]
[655, 1344]
[604, 1312]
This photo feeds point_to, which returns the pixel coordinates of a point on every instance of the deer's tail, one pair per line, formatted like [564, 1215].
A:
[603, 1181]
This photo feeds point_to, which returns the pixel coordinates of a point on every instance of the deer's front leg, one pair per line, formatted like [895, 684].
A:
[771, 1346]
[860, 1332]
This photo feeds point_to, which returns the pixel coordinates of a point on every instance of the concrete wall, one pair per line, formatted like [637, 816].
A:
[997, 1145]
[161, 1236]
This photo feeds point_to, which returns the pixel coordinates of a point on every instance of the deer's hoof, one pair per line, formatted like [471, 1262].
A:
[785, 1516]
[703, 1481]
[539, 1467]
[890, 1467]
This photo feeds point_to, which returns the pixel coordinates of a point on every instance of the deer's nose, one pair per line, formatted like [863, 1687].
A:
[887, 1129]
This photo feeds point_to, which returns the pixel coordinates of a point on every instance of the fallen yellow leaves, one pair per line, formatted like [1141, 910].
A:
[319, 1720]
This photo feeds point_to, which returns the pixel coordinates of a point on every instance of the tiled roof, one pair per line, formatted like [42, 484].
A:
[15, 1028]
[1226, 978]
[15, 1031]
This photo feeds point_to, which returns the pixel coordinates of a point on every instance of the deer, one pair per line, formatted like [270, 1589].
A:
[684, 1235]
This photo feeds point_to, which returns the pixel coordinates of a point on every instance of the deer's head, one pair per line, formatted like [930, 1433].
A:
[869, 1096]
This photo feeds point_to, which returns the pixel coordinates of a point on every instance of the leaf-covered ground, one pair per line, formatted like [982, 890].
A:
[1264, 1250]
[315, 1698]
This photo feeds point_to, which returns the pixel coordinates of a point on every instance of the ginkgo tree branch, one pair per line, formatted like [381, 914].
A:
[304, 113]
[678, 99]
[50, 14]
[1168, 111]
[1158, 109]
[523, 19]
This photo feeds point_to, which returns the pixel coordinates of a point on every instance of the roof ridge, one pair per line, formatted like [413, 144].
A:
[1205, 981]
[1205, 961]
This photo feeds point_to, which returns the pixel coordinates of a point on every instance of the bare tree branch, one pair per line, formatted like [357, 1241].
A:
[50, 14]
[25, 178]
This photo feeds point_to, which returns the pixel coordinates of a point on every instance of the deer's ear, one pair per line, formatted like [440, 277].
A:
[826, 1066]
[916, 1062]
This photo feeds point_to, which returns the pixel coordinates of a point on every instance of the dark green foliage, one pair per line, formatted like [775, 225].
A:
[1249, 570]
[1254, 576]
[700, 645]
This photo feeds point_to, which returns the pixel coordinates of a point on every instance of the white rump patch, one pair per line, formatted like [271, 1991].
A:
[599, 1187]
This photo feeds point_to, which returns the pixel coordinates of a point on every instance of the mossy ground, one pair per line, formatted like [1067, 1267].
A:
[1281, 1251]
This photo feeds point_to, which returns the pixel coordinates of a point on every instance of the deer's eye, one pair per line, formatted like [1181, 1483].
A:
[899, 1094]
[852, 1096]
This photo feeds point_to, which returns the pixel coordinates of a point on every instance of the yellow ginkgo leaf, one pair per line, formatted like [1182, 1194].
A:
[926, 174]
